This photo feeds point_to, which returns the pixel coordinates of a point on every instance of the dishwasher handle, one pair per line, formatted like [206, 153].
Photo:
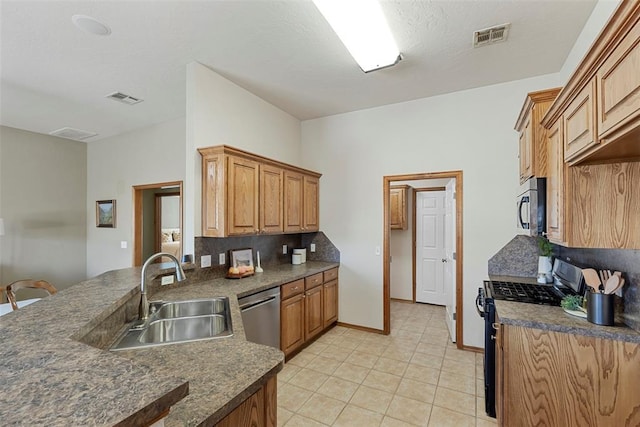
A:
[254, 304]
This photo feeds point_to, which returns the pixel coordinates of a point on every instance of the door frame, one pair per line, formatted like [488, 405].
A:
[414, 223]
[138, 191]
[386, 266]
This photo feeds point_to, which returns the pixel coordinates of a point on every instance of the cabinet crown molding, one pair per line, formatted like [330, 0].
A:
[229, 150]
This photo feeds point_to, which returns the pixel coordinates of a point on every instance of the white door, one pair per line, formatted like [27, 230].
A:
[430, 249]
[450, 256]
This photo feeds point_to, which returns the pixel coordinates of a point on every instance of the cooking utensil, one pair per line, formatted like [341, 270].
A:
[620, 285]
[612, 284]
[591, 277]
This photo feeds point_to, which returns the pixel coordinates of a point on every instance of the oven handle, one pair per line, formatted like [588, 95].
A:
[479, 301]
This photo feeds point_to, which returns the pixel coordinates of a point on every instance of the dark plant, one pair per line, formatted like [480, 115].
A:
[545, 246]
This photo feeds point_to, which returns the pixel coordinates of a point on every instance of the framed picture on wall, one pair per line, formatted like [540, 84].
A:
[106, 213]
[242, 258]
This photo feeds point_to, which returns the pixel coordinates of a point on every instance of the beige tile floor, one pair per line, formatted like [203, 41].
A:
[413, 377]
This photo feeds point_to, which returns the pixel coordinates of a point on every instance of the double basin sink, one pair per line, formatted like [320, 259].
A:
[178, 321]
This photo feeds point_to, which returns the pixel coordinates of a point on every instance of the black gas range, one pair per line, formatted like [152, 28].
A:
[523, 292]
[567, 279]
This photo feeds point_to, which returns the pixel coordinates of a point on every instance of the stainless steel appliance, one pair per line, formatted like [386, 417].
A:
[531, 207]
[567, 280]
[261, 317]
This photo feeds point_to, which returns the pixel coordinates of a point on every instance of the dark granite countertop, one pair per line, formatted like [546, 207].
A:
[49, 378]
[556, 319]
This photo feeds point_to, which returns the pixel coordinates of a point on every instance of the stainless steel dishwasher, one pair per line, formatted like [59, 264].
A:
[261, 317]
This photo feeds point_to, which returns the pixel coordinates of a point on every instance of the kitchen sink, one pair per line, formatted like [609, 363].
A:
[199, 307]
[184, 329]
[173, 322]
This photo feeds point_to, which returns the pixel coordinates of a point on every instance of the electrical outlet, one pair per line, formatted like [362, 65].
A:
[205, 261]
[313, 247]
[167, 280]
[222, 259]
[284, 249]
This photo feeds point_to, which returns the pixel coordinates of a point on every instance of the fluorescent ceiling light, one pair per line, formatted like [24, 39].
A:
[364, 31]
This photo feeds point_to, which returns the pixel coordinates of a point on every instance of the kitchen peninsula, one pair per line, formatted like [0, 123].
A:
[51, 376]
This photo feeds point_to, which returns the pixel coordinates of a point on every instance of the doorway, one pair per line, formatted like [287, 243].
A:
[455, 273]
[157, 225]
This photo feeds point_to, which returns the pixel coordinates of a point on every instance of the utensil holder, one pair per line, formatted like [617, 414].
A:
[600, 308]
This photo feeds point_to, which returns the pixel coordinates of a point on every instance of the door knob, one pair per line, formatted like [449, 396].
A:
[444, 260]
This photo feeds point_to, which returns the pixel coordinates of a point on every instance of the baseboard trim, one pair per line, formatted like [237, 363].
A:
[361, 328]
[474, 349]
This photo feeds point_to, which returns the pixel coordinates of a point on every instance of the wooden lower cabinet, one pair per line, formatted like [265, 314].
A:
[259, 410]
[330, 302]
[292, 323]
[547, 378]
[309, 306]
[313, 312]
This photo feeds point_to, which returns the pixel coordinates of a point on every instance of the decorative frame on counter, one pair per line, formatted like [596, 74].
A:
[241, 257]
[106, 213]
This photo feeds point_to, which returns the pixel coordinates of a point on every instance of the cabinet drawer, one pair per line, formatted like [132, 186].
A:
[291, 289]
[313, 281]
[330, 274]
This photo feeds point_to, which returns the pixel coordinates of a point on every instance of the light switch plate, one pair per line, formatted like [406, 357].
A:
[313, 247]
[123, 244]
[167, 280]
[205, 261]
[222, 259]
[284, 249]
[377, 250]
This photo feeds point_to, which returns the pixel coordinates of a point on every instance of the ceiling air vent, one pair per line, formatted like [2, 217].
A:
[124, 98]
[71, 133]
[491, 35]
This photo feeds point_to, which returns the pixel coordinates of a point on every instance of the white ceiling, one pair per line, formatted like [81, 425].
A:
[53, 75]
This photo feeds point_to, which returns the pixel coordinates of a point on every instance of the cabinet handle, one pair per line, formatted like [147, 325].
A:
[495, 326]
[295, 289]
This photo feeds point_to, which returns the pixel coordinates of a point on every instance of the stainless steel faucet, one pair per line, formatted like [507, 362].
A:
[144, 303]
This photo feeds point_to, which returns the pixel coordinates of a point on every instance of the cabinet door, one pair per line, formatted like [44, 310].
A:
[526, 151]
[618, 83]
[330, 296]
[271, 199]
[555, 181]
[580, 123]
[314, 322]
[293, 198]
[398, 208]
[242, 201]
[292, 315]
[311, 204]
[213, 195]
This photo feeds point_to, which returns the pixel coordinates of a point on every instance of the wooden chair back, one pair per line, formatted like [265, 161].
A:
[28, 283]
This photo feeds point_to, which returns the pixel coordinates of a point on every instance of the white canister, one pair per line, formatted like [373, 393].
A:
[296, 259]
[303, 253]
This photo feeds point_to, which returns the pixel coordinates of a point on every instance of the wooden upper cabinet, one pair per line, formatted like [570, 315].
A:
[244, 194]
[242, 208]
[618, 83]
[398, 207]
[579, 123]
[301, 198]
[311, 216]
[600, 103]
[532, 139]
[555, 184]
[293, 199]
[271, 199]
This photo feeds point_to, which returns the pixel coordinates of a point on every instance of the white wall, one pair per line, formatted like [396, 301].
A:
[221, 112]
[470, 130]
[146, 156]
[400, 246]
[42, 199]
